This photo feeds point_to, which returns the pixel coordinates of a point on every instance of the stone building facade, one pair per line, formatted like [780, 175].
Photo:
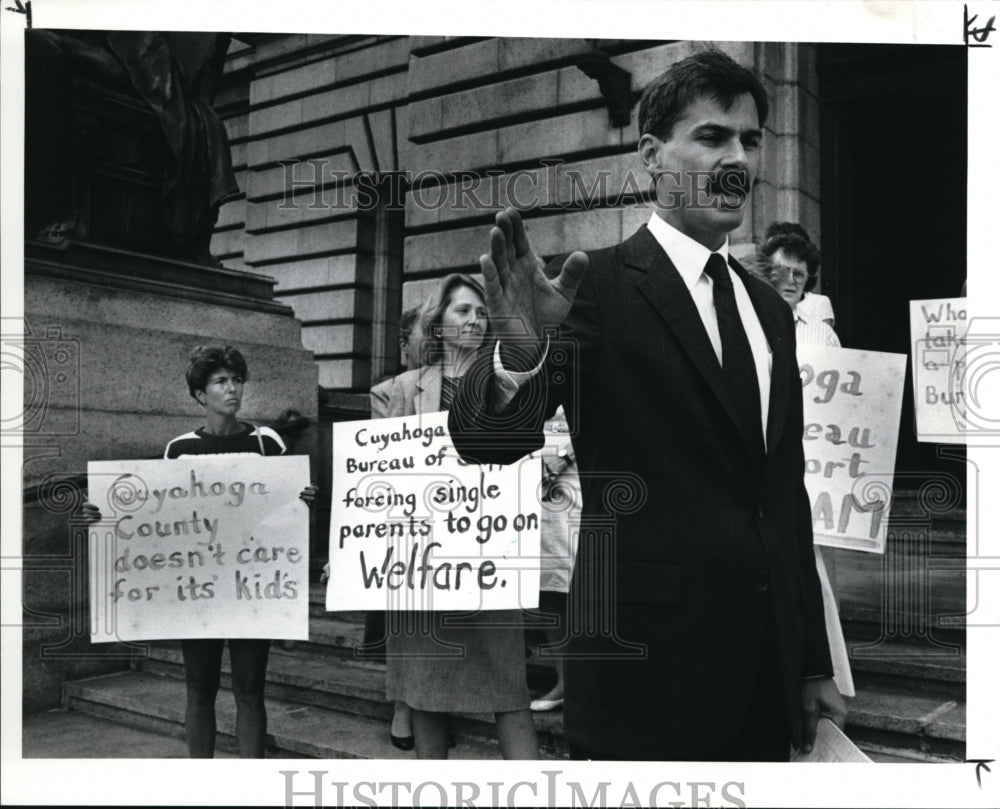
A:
[468, 123]
[458, 127]
[371, 166]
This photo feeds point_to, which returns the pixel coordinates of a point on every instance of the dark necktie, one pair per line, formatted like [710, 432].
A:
[737, 359]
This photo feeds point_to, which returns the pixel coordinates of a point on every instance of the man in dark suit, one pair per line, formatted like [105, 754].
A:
[696, 626]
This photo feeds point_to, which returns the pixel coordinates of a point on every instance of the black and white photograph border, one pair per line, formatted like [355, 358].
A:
[331, 317]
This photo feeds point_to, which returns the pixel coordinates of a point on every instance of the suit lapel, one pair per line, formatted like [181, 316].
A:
[777, 336]
[663, 287]
[428, 396]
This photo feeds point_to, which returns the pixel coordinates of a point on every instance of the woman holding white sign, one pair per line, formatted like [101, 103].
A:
[215, 378]
[490, 677]
[789, 263]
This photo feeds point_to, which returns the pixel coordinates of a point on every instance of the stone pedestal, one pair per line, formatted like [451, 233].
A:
[106, 339]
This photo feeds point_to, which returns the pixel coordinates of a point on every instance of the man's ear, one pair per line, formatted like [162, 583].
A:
[649, 152]
[201, 397]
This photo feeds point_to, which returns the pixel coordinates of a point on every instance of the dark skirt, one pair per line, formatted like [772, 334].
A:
[451, 662]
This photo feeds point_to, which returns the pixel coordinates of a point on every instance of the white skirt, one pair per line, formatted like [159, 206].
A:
[838, 648]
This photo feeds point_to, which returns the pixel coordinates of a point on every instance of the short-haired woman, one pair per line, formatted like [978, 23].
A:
[215, 378]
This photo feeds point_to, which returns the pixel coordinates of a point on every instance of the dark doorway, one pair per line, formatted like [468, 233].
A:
[894, 152]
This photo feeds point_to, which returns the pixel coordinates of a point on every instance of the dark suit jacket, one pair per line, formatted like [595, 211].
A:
[687, 539]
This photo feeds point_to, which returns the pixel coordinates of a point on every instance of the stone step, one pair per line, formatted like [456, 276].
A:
[888, 725]
[317, 592]
[922, 670]
[150, 702]
[933, 666]
[905, 726]
[932, 591]
[946, 538]
[334, 633]
[862, 619]
[913, 598]
[880, 754]
[298, 675]
[924, 665]
[864, 625]
[353, 687]
[59, 733]
[884, 714]
[906, 506]
[338, 634]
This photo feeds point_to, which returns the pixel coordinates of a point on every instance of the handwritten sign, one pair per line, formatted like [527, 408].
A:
[938, 330]
[851, 401]
[413, 527]
[212, 547]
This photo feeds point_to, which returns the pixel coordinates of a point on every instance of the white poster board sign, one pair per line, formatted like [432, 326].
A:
[938, 330]
[208, 547]
[851, 401]
[413, 527]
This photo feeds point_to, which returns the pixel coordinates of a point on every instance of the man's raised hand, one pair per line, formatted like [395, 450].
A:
[521, 300]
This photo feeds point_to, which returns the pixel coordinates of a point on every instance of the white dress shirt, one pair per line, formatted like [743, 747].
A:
[690, 258]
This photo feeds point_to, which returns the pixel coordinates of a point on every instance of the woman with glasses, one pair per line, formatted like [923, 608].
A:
[790, 265]
[812, 305]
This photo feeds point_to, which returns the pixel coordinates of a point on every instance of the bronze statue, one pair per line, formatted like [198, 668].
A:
[103, 75]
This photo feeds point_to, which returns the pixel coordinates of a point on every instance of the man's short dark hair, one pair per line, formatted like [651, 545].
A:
[708, 73]
[206, 360]
[797, 248]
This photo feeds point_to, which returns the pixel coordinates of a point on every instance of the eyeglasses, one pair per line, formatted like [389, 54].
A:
[777, 272]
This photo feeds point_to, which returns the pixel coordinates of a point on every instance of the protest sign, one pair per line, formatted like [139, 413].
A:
[413, 527]
[208, 547]
[851, 401]
[937, 333]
